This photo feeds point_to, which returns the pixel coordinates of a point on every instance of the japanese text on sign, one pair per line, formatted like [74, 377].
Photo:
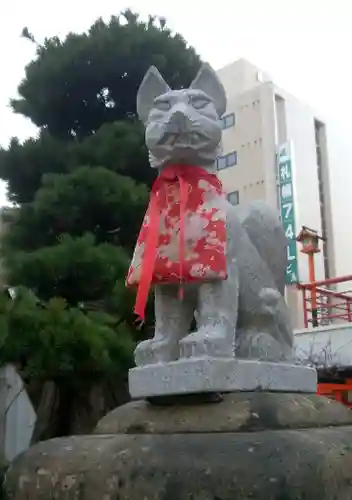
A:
[287, 209]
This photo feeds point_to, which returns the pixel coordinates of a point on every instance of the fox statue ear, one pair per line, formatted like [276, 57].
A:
[208, 81]
[153, 85]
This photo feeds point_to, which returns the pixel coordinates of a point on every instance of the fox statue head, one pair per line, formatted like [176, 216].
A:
[182, 126]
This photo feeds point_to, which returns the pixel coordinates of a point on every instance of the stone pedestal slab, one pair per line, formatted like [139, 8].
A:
[207, 374]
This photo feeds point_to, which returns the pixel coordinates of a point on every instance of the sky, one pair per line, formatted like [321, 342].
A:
[304, 45]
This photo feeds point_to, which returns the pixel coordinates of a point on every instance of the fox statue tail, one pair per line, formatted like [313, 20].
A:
[264, 228]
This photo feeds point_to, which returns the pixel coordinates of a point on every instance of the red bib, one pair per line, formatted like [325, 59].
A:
[183, 235]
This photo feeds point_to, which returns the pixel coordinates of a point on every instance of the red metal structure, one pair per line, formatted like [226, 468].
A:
[339, 392]
[324, 303]
[309, 239]
[331, 305]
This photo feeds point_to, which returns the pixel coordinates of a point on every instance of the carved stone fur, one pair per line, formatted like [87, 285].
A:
[246, 315]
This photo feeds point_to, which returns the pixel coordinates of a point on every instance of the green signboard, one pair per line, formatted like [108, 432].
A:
[287, 209]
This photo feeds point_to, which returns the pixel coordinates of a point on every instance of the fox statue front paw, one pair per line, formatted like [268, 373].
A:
[205, 343]
[153, 351]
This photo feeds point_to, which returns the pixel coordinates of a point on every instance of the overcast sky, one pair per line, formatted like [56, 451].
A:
[304, 44]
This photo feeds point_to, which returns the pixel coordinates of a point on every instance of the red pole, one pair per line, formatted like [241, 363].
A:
[349, 315]
[305, 312]
[313, 292]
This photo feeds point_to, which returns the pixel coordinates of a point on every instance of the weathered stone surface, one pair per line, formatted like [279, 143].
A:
[249, 446]
[201, 375]
[312, 464]
[237, 412]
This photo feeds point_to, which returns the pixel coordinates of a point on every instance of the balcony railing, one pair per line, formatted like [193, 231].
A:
[324, 304]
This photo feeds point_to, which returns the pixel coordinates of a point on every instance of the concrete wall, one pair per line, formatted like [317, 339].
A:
[246, 138]
[325, 346]
[339, 147]
[17, 416]
[241, 76]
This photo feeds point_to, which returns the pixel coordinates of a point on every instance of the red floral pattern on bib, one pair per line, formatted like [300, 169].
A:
[183, 235]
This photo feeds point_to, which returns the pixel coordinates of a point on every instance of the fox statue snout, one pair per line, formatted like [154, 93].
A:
[178, 123]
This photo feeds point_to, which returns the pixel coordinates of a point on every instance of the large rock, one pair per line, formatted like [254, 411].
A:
[247, 446]
[236, 412]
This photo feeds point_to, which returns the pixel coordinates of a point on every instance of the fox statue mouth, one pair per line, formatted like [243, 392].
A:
[182, 139]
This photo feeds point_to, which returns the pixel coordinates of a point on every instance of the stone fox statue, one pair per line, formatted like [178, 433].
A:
[239, 305]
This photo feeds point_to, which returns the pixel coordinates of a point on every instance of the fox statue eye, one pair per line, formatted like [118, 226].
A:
[162, 104]
[199, 102]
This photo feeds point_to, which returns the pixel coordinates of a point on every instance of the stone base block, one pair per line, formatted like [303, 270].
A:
[312, 464]
[203, 375]
[235, 412]
[257, 446]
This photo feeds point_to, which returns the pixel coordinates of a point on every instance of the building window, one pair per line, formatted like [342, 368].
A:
[226, 161]
[227, 121]
[234, 197]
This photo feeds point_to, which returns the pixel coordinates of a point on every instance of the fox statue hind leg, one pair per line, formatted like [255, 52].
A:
[246, 316]
[264, 328]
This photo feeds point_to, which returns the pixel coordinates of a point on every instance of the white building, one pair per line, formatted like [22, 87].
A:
[261, 121]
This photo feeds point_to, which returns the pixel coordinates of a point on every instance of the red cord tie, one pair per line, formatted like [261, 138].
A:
[182, 174]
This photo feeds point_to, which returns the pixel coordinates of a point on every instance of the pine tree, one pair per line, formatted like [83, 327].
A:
[80, 190]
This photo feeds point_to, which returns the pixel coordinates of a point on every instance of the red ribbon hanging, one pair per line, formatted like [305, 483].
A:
[182, 174]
